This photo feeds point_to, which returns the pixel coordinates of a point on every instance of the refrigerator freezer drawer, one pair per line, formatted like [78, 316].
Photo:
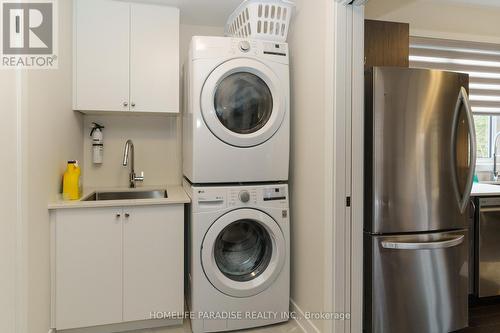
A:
[416, 283]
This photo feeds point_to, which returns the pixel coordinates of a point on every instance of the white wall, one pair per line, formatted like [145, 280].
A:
[8, 200]
[157, 150]
[307, 49]
[157, 139]
[440, 19]
[53, 135]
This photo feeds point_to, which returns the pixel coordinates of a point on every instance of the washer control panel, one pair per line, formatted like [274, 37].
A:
[212, 198]
[275, 193]
[256, 195]
[242, 197]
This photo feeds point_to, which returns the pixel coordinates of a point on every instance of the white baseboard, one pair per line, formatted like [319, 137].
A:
[123, 327]
[306, 325]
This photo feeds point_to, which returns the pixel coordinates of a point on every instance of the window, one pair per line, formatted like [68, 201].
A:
[482, 62]
[486, 130]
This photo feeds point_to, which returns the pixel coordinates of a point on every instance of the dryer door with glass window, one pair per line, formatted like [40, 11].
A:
[243, 102]
[243, 252]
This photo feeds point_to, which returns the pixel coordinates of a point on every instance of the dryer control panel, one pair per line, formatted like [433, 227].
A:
[203, 47]
[258, 48]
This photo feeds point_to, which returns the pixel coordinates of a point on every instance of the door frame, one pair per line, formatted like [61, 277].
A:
[344, 156]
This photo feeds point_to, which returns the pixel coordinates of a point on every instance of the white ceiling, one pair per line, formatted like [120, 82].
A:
[201, 12]
[216, 12]
[485, 3]
[377, 9]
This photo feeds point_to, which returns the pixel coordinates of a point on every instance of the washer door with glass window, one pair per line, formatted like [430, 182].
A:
[243, 102]
[243, 252]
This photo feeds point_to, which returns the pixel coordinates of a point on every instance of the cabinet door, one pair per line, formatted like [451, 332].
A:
[101, 69]
[88, 267]
[153, 267]
[154, 58]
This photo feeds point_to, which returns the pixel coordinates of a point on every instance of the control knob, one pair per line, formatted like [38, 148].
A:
[244, 196]
[245, 46]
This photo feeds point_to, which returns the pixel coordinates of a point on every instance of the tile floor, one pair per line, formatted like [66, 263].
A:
[288, 327]
[483, 318]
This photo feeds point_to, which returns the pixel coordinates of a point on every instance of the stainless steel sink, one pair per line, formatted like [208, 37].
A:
[126, 195]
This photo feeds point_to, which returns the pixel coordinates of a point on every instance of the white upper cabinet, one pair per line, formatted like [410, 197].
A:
[101, 55]
[154, 58]
[126, 57]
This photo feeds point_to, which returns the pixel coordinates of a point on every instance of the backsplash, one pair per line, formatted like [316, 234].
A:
[157, 141]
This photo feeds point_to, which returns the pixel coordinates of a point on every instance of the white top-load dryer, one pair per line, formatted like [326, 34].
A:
[236, 122]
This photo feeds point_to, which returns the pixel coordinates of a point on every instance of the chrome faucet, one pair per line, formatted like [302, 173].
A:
[495, 149]
[129, 147]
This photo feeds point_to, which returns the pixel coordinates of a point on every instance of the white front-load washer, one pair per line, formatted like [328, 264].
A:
[238, 256]
[236, 119]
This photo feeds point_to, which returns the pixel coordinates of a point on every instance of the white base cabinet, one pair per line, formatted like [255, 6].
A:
[116, 265]
[88, 267]
[153, 261]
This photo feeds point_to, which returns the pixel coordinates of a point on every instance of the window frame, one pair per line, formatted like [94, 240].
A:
[487, 162]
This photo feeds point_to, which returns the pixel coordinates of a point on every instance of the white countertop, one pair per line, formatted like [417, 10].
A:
[175, 193]
[482, 190]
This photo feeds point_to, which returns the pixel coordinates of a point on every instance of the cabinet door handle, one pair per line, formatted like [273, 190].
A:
[118, 216]
[127, 215]
[125, 104]
[133, 104]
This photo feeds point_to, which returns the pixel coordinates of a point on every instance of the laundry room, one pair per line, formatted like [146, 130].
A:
[255, 166]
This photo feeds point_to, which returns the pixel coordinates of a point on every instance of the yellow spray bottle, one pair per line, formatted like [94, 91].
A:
[71, 181]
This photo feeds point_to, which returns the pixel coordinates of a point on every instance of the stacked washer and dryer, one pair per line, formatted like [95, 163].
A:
[236, 137]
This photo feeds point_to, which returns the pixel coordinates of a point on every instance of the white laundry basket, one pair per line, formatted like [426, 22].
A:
[261, 19]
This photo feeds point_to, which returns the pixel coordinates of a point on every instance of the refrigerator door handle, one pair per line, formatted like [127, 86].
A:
[473, 209]
[490, 209]
[463, 199]
[423, 245]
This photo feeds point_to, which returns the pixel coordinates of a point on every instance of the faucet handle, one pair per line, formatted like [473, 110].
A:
[139, 178]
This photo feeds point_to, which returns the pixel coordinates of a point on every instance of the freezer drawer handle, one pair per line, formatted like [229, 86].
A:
[423, 246]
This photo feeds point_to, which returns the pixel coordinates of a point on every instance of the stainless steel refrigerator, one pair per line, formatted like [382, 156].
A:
[420, 156]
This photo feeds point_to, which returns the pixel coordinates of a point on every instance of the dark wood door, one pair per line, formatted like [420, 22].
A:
[386, 44]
